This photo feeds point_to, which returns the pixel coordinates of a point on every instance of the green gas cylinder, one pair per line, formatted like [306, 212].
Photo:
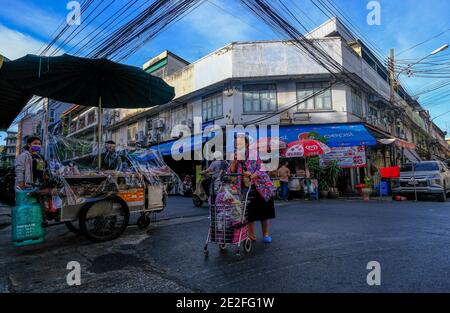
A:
[27, 220]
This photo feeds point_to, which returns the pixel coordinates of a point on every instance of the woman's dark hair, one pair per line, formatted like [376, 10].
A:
[31, 139]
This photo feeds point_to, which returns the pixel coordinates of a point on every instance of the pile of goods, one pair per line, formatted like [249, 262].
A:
[227, 217]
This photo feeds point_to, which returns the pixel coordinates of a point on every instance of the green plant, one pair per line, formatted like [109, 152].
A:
[368, 182]
[314, 167]
[332, 172]
[323, 185]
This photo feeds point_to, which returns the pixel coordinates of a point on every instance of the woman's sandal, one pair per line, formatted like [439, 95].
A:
[267, 239]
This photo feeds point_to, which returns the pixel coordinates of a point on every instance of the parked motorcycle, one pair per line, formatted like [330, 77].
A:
[202, 190]
[187, 186]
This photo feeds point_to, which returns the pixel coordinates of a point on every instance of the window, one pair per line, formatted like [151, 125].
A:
[132, 132]
[373, 112]
[357, 104]
[73, 126]
[51, 115]
[179, 115]
[212, 107]
[82, 122]
[260, 98]
[91, 117]
[420, 167]
[321, 101]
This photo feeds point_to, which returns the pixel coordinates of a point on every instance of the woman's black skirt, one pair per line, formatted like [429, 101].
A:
[258, 208]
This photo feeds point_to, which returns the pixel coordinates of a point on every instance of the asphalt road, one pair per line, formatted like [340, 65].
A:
[319, 246]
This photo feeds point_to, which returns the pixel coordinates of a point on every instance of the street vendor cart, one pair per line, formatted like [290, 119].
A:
[94, 196]
[97, 203]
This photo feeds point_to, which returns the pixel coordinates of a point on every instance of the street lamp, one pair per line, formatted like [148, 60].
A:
[444, 47]
[434, 52]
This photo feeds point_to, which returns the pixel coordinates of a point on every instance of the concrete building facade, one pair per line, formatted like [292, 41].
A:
[245, 81]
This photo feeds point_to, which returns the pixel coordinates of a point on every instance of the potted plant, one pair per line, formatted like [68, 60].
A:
[324, 188]
[332, 172]
[315, 170]
[368, 188]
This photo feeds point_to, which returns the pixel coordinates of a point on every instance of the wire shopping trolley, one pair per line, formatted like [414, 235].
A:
[228, 217]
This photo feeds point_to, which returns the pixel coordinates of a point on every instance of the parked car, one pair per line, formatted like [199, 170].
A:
[425, 178]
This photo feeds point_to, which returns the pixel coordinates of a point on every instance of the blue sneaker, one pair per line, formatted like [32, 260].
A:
[267, 239]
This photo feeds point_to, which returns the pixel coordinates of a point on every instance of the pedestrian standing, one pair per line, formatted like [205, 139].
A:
[283, 174]
[261, 205]
[30, 164]
[216, 169]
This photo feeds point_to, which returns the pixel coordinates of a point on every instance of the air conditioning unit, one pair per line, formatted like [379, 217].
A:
[152, 137]
[161, 123]
[140, 136]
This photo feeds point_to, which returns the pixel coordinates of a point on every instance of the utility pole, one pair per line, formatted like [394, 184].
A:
[19, 138]
[45, 128]
[392, 84]
[392, 76]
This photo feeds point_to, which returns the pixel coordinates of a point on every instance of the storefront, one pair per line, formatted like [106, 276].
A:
[348, 144]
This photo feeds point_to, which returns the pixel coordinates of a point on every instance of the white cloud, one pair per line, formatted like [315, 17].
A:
[219, 25]
[38, 20]
[14, 44]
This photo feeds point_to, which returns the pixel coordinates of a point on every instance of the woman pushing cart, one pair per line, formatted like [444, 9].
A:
[256, 191]
[228, 217]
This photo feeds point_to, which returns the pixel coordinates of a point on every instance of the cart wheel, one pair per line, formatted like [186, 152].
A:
[238, 254]
[105, 219]
[143, 221]
[71, 227]
[247, 245]
[222, 246]
[206, 253]
[197, 201]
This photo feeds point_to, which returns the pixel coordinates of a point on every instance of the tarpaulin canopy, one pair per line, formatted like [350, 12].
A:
[192, 143]
[83, 81]
[12, 99]
[87, 82]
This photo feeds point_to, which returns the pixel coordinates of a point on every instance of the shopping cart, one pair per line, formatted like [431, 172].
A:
[228, 218]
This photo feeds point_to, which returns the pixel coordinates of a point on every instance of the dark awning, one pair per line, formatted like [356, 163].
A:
[12, 100]
[411, 155]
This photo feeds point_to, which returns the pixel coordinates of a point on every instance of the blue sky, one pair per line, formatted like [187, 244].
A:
[25, 25]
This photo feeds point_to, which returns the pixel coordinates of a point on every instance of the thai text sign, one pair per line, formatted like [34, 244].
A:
[347, 157]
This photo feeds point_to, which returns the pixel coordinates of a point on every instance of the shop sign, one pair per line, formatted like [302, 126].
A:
[347, 157]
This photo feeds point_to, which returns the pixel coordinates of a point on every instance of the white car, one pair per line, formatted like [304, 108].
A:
[423, 178]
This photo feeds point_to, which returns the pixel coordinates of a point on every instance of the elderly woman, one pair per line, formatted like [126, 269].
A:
[261, 206]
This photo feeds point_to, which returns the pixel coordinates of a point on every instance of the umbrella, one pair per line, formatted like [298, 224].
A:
[87, 82]
[306, 148]
[12, 100]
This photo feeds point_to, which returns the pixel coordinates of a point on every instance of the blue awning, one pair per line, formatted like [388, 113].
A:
[335, 135]
[193, 143]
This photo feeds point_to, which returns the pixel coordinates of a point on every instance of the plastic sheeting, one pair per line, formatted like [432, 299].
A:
[74, 170]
